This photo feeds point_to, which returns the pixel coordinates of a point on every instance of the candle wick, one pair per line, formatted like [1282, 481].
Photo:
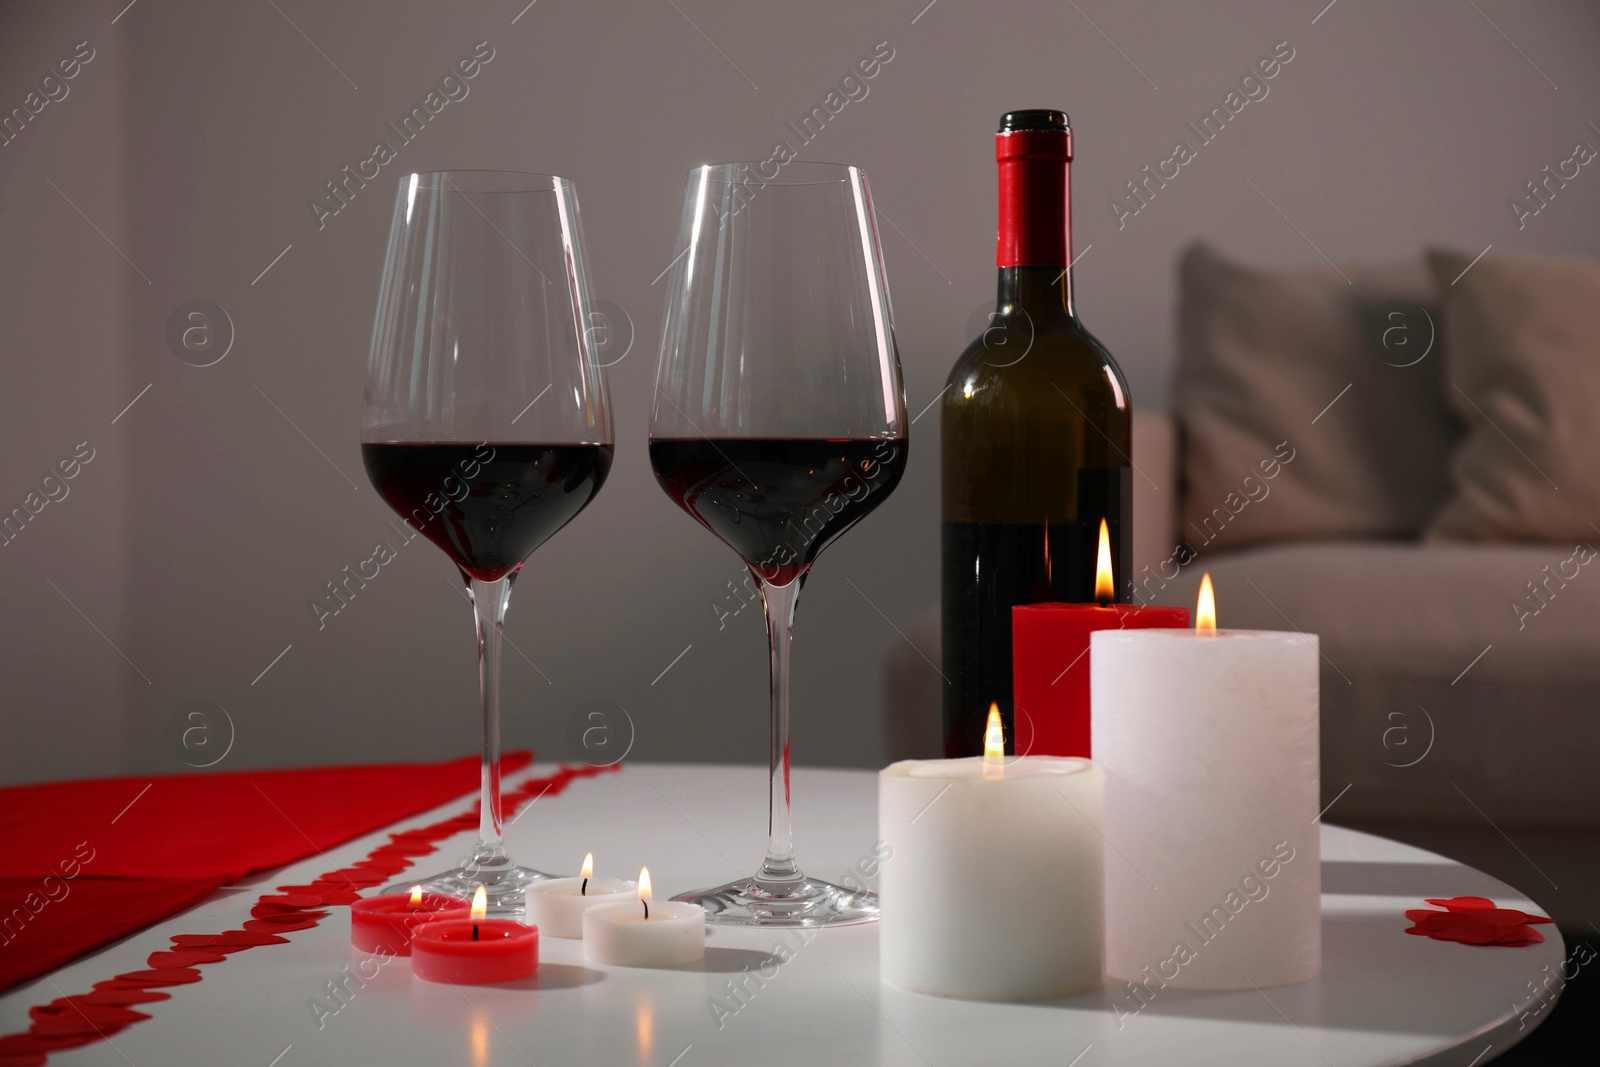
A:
[583, 890]
[474, 931]
[646, 904]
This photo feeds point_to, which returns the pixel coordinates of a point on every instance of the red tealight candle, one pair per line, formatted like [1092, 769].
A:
[1050, 659]
[389, 922]
[475, 950]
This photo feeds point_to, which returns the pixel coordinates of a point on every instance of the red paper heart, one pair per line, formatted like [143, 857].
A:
[1462, 903]
[292, 900]
[196, 940]
[120, 998]
[229, 948]
[184, 957]
[58, 1008]
[74, 1020]
[338, 895]
[160, 976]
[1475, 921]
[250, 939]
[280, 916]
[228, 941]
[310, 889]
[261, 926]
[276, 911]
[1463, 935]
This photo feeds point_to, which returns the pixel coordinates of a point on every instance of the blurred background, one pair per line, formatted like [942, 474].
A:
[181, 163]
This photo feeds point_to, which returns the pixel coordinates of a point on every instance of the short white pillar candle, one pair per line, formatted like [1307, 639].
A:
[991, 889]
[622, 935]
[1210, 748]
[556, 907]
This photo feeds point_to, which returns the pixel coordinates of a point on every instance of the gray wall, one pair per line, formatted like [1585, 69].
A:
[208, 519]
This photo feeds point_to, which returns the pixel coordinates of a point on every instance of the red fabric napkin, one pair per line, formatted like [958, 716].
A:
[98, 911]
[85, 863]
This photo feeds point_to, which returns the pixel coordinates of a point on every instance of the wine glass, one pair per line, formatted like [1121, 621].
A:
[778, 422]
[485, 423]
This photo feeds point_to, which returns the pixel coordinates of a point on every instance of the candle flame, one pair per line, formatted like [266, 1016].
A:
[994, 745]
[644, 884]
[416, 895]
[1105, 590]
[1205, 612]
[588, 866]
[480, 903]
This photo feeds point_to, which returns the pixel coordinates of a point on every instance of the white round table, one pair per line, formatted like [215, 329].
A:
[776, 999]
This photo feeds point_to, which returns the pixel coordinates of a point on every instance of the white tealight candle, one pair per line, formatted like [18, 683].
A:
[1209, 740]
[644, 932]
[556, 906]
[991, 888]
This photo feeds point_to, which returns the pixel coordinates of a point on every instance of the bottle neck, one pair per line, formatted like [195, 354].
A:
[1043, 294]
[1034, 240]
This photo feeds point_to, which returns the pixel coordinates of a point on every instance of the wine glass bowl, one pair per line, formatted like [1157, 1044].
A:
[778, 423]
[485, 424]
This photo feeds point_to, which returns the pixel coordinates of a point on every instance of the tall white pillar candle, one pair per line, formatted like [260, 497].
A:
[990, 887]
[1210, 749]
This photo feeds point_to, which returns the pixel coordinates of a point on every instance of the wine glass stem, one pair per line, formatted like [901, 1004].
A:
[779, 602]
[489, 600]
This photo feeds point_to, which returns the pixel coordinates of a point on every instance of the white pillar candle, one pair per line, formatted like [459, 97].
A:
[991, 885]
[1210, 749]
[645, 932]
[556, 907]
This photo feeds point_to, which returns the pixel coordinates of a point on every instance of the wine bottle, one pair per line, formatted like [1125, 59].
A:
[1035, 442]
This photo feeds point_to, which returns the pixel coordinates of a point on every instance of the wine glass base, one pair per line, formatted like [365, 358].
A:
[504, 886]
[805, 902]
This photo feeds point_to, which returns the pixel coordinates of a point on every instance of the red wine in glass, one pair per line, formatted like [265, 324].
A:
[778, 502]
[487, 505]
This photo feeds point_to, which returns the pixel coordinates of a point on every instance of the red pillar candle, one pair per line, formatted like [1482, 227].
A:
[389, 922]
[1050, 668]
[1050, 661]
[475, 950]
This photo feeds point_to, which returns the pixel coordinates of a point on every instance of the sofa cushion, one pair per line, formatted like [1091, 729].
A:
[1483, 657]
[1523, 364]
[1311, 405]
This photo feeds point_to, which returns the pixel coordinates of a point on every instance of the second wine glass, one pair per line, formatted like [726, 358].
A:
[778, 422]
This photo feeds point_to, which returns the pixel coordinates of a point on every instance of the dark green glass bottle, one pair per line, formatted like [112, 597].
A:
[1035, 440]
